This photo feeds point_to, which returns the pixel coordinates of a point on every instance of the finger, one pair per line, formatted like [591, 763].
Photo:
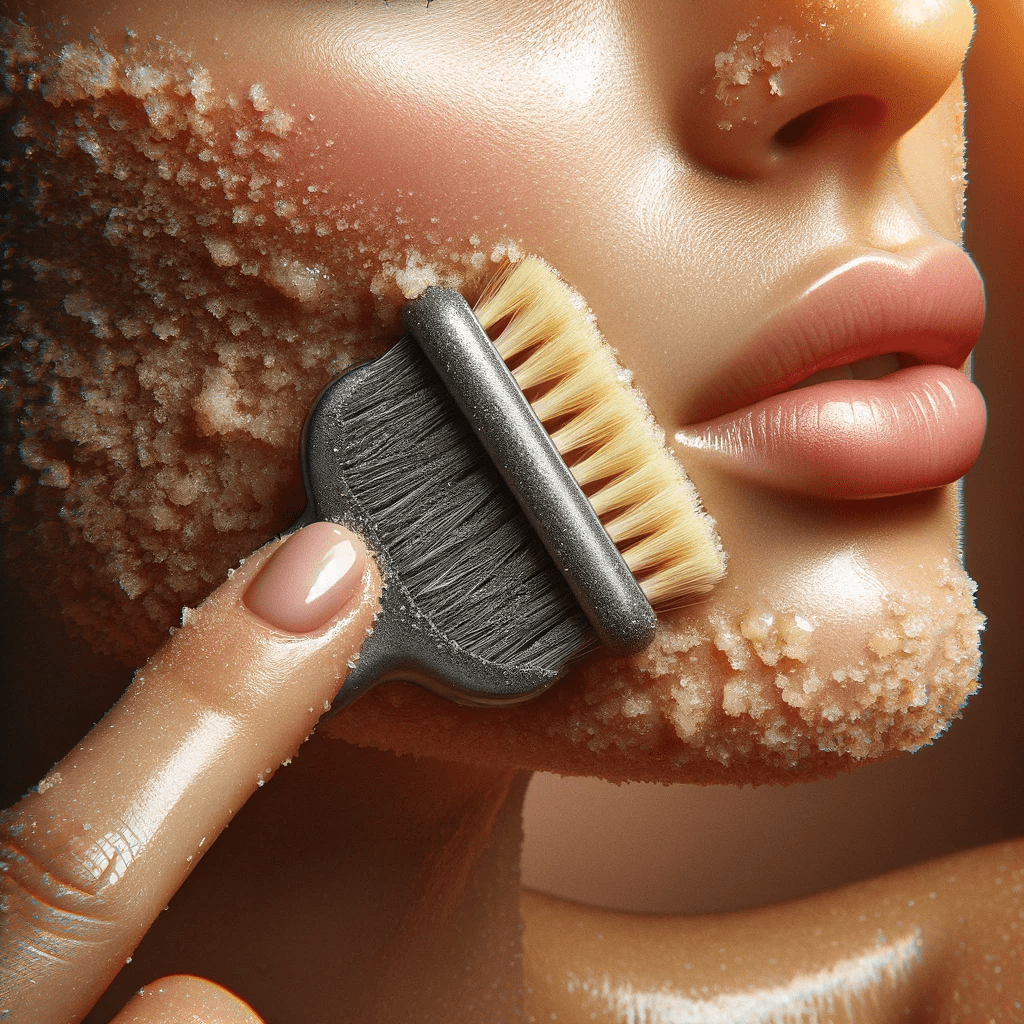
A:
[186, 1000]
[95, 854]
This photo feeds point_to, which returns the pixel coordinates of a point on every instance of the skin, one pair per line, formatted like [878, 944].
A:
[454, 897]
[781, 550]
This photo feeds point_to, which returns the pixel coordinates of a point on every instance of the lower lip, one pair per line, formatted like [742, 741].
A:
[917, 428]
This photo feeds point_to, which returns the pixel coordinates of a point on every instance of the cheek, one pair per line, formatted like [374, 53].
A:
[186, 286]
[471, 128]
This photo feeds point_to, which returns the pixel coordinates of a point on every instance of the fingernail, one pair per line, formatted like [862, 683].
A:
[309, 579]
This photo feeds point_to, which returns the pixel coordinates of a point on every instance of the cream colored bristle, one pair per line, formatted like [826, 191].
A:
[596, 459]
[641, 494]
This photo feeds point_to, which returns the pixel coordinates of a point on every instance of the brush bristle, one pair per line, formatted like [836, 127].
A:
[641, 494]
[421, 488]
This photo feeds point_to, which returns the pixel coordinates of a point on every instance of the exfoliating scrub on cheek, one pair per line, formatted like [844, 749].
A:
[179, 300]
[212, 294]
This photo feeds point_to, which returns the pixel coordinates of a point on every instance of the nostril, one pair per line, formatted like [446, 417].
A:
[850, 112]
[792, 133]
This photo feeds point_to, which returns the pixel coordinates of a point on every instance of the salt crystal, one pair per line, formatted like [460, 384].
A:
[258, 97]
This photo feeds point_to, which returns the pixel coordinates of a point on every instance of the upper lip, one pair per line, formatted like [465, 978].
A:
[928, 307]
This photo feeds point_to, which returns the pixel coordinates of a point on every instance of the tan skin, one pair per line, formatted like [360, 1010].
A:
[422, 903]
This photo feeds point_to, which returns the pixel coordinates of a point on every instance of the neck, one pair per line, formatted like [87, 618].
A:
[440, 939]
[388, 885]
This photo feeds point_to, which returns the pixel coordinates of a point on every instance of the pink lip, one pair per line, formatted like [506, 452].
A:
[916, 428]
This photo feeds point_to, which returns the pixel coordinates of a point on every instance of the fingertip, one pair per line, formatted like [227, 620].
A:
[275, 635]
[309, 580]
[184, 999]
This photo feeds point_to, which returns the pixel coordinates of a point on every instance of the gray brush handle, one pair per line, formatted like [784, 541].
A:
[483, 387]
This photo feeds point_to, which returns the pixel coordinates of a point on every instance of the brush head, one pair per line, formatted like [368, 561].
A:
[501, 564]
[605, 435]
[472, 606]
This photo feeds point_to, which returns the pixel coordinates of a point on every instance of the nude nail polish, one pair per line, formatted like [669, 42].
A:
[309, 579]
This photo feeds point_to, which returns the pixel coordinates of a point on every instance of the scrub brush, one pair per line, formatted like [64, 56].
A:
[520, 507]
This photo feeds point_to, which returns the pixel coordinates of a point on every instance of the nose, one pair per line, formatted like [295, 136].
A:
[798, 78]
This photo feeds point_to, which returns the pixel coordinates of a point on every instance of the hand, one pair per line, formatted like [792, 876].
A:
[97, 850]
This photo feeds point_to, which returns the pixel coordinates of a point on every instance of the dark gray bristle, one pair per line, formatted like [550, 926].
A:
[447, 522]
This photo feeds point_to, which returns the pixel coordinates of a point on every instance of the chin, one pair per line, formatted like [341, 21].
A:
[845, 633]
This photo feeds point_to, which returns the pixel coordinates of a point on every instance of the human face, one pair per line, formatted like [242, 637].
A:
[746, 193]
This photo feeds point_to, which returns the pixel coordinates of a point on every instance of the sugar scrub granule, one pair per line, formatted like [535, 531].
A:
[753, 54]
[157, 251]
[759, 689]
